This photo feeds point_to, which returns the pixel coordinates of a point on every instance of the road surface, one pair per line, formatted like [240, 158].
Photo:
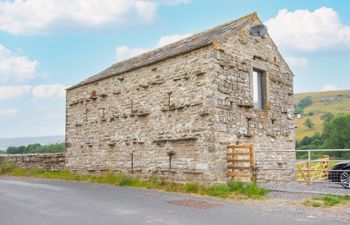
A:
[42, 202]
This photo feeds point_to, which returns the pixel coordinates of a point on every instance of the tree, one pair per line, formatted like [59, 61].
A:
[311, 114]
[309, 124]
[313, 142]
[12, 150]
[36, 148]
[21, 149]
[336, 135]
[303, 103]
[32, 148]
[327, 116]
[337, 132]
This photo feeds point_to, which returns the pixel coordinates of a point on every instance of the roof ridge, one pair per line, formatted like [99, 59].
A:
[251, 15]
[182, 46]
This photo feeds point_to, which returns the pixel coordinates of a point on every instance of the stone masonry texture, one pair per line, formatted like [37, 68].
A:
[174, 118]
[49, 161]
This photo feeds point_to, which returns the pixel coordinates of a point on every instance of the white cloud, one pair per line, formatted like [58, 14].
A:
[40, 16]
[5, 113]
[49, 91]
[309, 31]
[296, 62]
[15, 91]
[165, 40]
[331, 87]
[171, 2]
[124, 52]
[15, 68]
[39, 91]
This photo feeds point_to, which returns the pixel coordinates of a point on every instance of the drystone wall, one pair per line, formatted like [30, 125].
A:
[49, 161]
[236, 120]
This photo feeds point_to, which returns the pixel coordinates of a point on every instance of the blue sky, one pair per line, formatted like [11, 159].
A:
[46, 46]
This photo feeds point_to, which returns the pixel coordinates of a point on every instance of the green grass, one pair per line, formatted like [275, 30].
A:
[303, 131]
[237, 190]
[342, 105]
[6, 167]
[327, 201]
[234, 190]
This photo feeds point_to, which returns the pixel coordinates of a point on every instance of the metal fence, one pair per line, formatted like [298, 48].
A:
[310, 166]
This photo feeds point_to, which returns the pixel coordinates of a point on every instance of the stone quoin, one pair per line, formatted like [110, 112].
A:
[173, 111]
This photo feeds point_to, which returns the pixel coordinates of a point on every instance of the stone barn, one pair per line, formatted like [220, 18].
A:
[173, 111]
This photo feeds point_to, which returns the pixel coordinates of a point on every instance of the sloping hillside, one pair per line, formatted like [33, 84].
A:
[334, 102]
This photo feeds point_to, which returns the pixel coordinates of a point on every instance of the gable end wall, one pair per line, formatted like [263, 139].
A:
[236, 120]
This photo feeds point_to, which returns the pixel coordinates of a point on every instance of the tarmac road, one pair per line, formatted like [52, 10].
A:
[41, 202]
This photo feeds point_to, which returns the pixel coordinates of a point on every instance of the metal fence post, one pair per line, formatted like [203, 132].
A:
[308, 166]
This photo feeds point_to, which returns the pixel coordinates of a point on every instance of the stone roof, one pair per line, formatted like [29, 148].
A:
[177, 48]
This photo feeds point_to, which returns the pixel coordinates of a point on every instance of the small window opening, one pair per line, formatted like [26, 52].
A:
[170, 154]
[259, 89]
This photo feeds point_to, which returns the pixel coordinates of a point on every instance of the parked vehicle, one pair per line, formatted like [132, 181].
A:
[340, 172]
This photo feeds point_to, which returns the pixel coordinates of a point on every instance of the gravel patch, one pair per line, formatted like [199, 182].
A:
[303, 188]
[290, 196]
[293, 204]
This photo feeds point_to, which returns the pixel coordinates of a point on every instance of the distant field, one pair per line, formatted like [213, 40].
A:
[335, 102]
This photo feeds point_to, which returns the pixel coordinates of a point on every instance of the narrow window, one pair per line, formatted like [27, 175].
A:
[170, 154]
[259, 89]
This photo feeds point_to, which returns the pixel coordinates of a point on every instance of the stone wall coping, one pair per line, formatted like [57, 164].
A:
[34, 154]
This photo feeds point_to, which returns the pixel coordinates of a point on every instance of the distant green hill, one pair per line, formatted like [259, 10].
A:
[19, 141]
[334, 102]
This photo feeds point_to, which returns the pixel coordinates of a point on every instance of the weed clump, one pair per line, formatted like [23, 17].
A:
[7, 166]
[327, 201]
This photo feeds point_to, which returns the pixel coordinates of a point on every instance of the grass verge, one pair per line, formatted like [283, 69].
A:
[327, 201]
[234, 190]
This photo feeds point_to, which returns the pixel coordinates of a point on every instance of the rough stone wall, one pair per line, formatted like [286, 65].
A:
[186, 110]
[236, 120]
[50, 161]
[135, 122]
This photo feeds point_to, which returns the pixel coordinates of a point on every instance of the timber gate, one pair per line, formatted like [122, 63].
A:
[241, 163]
